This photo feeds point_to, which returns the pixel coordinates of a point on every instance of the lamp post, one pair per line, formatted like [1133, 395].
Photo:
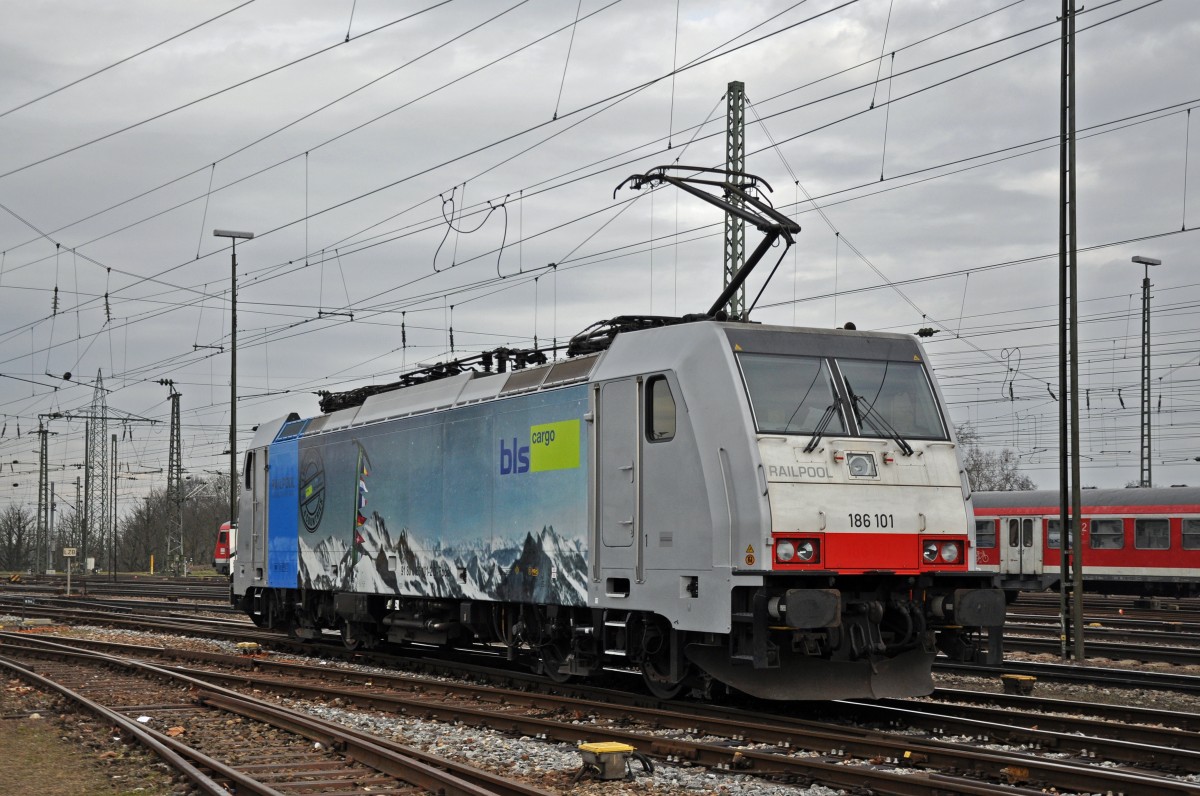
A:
[1144, 475]
[234, 238]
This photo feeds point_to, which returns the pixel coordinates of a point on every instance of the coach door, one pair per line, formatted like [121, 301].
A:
[618, 471]
[1020, 545]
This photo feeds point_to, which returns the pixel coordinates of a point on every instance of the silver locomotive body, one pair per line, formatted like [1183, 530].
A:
[780, 510]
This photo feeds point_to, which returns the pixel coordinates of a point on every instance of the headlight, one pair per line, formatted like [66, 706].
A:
[949, 552]
[861, 465]
[807, 551]
[931, 552]
[785, 550]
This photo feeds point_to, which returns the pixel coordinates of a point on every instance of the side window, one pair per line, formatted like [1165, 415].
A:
[248, 468]
[1152, 534]
[1014, 533]
[1053, 538]
[1027, 532]
[660, 410]
[985, 533]
[1108, 534]
[1191, 534]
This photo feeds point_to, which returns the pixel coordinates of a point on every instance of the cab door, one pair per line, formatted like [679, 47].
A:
[618, 472]
[1020, 546]
[253, 511]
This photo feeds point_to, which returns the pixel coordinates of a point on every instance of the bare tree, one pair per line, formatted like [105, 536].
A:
[143, 531]
[17, 532]
[991, 470]
[66, 533]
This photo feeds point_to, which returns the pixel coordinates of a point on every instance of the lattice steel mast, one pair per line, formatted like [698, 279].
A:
[97, 513]
[175, 559]
[43, 510]
[735, 162]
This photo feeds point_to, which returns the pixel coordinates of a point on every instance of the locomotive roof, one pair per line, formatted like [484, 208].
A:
[629, 353]
[1090, 498]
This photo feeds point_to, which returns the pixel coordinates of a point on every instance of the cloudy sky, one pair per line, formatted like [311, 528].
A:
[411, 167]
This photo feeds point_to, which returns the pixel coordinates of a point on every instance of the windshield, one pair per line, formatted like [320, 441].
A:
[892, 398]
[791, 395]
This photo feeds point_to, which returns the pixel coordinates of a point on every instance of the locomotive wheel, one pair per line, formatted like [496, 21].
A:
[658, 683]
[351, 640]
[656, 664]
[552, 657]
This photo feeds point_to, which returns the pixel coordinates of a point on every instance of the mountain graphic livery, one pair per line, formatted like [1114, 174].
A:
[541, 568]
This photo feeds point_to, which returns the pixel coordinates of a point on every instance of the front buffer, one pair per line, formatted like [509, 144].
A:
[870, 637]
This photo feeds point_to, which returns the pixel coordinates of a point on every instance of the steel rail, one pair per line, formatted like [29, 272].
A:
[1127, 715]
[1063, 733]
[1126, 678]
[395, 761]
[788, 734]
[403, 762]
[162, 746]
[1112, 650]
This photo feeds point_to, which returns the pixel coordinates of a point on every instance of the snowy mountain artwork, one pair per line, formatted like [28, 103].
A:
[487, 502]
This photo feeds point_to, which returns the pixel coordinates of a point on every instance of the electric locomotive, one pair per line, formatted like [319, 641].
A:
[780, 510]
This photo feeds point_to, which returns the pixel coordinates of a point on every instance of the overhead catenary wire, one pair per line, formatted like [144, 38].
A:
[196, 101]
[522, 236]
[124, 60]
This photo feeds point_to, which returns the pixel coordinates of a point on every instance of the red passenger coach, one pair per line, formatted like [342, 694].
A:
[224, 550]
[1135, 541]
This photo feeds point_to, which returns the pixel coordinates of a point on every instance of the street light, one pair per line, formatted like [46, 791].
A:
[234, 237]
[1144, 475]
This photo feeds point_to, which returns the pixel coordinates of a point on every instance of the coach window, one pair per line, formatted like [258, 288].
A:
[1191, 534]
[661, 425]
[1052, 535]
[1020, 533]
[1108, 534]
[985, 533]
[1152, 534]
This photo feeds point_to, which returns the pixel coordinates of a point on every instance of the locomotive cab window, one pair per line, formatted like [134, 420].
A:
[892, 398]
[791, 395]
[248, 467]
[985, 533]
[1152, 534]
[1108, 534]
[1191, 533]
[661, 411]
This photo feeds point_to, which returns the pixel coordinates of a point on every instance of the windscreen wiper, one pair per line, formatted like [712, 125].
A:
[865, 411]
[827, 418]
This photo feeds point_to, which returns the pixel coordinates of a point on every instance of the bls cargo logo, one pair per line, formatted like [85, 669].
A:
[552, 446]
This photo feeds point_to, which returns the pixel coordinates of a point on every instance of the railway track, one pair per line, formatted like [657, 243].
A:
[437, 661]
[1100, 606]
[1110, 650]
[948, 758]
[205, 590]
[221, 740]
